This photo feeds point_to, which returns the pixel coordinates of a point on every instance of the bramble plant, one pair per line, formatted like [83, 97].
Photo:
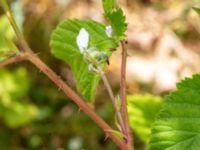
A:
[86, 46]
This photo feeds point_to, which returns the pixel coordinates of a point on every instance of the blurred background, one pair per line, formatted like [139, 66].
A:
[163, 48]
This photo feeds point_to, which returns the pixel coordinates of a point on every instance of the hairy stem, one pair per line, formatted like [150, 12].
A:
[59, 82]
[79, 101]
[123, 94]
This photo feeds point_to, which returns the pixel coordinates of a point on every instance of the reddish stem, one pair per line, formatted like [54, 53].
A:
[79, 101]
[14, 59]
[123, 95]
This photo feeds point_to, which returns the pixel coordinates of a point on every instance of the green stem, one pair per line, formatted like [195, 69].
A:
[109, 89]
[116, 107]
[14, 25]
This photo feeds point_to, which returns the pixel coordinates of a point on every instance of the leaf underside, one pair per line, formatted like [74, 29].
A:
[64, 47]
[178, 124]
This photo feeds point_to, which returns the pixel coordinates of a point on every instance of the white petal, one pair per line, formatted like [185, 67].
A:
[82, 40]
[109, 31]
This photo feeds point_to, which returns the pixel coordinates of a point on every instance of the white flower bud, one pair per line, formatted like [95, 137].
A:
[82, 40]
[109, 31]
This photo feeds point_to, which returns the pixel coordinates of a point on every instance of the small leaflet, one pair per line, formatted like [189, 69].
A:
[109, 31]
[82, 40]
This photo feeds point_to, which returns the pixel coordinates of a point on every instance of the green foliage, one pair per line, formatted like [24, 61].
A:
[197, 8]
[64, 47]
[177, 126]
[142, 110]
[116, 18]
[6, 37]
[109, 5]
[7, 34]
[14, 108]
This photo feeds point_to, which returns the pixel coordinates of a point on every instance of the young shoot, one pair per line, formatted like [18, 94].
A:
[92, 55]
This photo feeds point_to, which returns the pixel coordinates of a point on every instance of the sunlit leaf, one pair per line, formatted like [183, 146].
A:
[14, 107]
[142, 110]
[20, 114]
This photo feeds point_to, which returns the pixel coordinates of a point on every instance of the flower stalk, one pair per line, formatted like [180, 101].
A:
[99, 71]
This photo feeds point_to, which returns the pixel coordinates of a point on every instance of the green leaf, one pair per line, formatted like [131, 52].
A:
[7, 36]
[178, 124]
[20, 114]
[15, 110]
[116, 18]
[15, 84]
[197, 8]
[109, 5]
[118, 23]
[142, 110]
[64, 47]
